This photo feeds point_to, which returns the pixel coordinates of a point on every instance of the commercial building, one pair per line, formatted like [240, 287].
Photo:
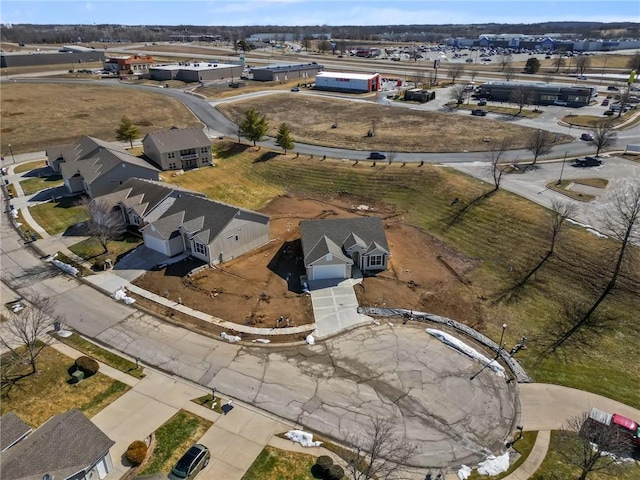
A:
[70, 59]
[545, 42]
[286, 72]
[348, 82]
[195, 72]
[130, 64]
[540, 93]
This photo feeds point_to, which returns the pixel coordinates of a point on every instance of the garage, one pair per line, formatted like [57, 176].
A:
[324, 272]
[155, 243]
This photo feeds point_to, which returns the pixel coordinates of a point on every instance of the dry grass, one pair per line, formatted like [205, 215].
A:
[562, 188]
[190, 49]
[26, 167]
[593, 182]
[224, 91]
[48, 68]
[38, 397]
[72, 110]
[310, 120]
[589, 121]
[275, 464]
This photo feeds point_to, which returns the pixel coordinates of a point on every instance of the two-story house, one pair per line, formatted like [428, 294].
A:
[178, 148]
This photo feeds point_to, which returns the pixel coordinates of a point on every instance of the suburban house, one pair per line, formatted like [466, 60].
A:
[68, 446]
[174, 221]
[96, 167]
[178, 148]
[331, 248]
[12, 430]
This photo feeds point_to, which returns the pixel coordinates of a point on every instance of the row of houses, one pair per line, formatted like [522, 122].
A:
[548, 42]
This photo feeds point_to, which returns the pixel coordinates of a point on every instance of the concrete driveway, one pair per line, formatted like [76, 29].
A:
[141, 260]
[335, 307]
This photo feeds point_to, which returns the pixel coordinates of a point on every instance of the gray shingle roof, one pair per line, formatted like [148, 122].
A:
[343, 232]
[12, 429]
[178, 139]
[65, 444]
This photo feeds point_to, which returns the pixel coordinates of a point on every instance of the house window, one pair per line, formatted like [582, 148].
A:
[200, 248]
[172, 165]
[171, 155]
[135, 220]
[204, 149]
[376, 261]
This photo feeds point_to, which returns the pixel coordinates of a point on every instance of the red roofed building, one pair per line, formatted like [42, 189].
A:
[133, 64]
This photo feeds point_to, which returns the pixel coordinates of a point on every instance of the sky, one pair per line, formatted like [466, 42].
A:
[314, 12]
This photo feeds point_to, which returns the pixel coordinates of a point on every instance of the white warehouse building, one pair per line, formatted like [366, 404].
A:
[348, 82]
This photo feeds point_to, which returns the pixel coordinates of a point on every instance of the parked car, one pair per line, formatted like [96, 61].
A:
[613, 88]
[377, 156]
[587, 162]
[605, 102]
[586, 136]
[482, 103]
[582, 77]
[469, 60]
[295, 89]
[196, 458]
[560, 103]
[478, 112]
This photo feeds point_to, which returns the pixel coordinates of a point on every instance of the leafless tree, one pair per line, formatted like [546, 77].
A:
[510, 73]
[25, 332]
[548, 78]
[539, 143]
[473, 73]
[458, 93]
[495, 161]
[592, 446]
[455, 70]
[634, 62]
[381, 452]
[559, 61]
[622, 220]
[603, 136]
[105, 223]
[521, 96]
[391, 156]
[418, 77]
[625, 96]
[505, 60]
[583, 62]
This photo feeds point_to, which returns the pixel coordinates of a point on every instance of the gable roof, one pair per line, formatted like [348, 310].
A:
[64, 445]
[178, 139]
[92, 157]
[343, 232]
[326, 246]
[198, 215]
[12, 430]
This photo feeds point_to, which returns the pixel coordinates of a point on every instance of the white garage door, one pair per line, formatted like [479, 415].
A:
[155, 244]
[323, 272]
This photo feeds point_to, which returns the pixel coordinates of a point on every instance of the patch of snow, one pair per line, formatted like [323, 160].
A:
[230, 338]
[375, 322]
[494, 465]
[121, 294]
[64, 333]
[596, 233]
[310, 340]
[456, 344]
[464, 472]
[261, 340]
[65, 267]
[390, 324]
[303, 438]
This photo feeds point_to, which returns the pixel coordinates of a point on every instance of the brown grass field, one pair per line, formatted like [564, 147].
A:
[191, 50]
[37, 116]
[310, 119]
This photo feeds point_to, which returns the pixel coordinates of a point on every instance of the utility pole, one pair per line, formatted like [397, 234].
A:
[504, 327]
[12, 157]
[562, 169]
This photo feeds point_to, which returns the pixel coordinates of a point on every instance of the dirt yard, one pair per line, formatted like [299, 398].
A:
[258, 288]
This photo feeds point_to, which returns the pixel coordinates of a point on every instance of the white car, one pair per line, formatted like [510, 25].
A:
[560, 103]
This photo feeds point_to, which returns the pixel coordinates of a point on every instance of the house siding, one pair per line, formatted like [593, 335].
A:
[175, 246]
[74, 184]
[151, 151]
[250, 235]
[112, 179]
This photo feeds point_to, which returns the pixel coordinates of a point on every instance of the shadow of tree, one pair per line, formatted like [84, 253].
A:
[457, 216]
[266, 156]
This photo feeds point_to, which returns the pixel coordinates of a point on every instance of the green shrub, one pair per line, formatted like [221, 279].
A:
[87, 365]
[335, 472]
[136, 452]
[324, 462]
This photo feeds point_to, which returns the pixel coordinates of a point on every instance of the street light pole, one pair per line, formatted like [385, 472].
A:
[504, 327]
[12, 157]
[562, 169]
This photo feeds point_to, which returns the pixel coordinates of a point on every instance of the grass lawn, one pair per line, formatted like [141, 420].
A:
[276, 464]
[74, 109]
[205, 401]
[11, 190]
[502, 234]
[592, 182]
[524, 446]
[105, 356]
[513, 111]
[83, 270]
[589, 121]
[24, 227]
[173, 439]
[310, 119]
[91, 250]
[35, 184]
[555, 467]
[26, 167]
[37, 397]
[562, 188]
[56, 217]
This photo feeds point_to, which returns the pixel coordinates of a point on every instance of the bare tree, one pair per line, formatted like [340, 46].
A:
[25, 332]
[455, 70]
[521, 96]
[458, 93]
[510, 73]
[548, 78]
[583, 62]
[624, 99]
[495, 158]
[473, 73]
[622, 220]
[105, 223]
[559, 61]
[539, 143]
[592, 446]
[418, 77]
[505, 60]
[381, 452]
[603, 136]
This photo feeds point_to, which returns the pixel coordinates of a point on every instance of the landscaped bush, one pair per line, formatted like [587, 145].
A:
[87, 365]
[136, 452]
[324, 463]
[335, 472]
